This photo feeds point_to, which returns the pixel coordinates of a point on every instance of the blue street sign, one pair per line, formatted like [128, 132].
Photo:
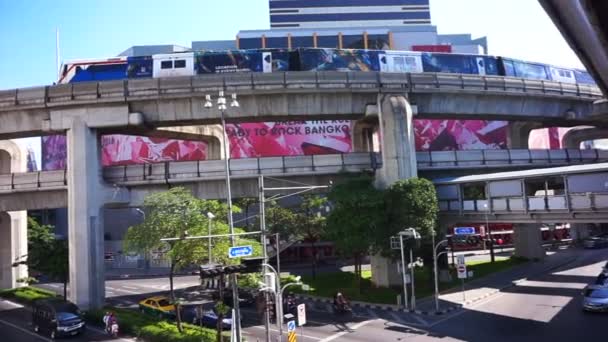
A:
[240, 251]
[464, 230]
[291, 326]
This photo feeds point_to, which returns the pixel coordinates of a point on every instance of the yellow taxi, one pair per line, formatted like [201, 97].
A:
[158, 306]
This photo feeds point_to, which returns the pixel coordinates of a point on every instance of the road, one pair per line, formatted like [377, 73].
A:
[15, 326]
[546, 307]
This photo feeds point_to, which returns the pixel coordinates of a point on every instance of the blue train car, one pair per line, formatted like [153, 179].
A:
[139, 67]
[94, 70]
[211, 62]
[460, 63]
[338, 60]
[518, 68]
[583, 77]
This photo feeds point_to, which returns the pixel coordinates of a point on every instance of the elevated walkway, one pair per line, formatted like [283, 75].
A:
[560, 194]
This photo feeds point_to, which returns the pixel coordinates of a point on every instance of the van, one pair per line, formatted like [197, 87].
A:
[55, 318]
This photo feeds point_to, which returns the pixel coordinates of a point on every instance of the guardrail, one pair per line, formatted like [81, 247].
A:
[507, 158]
[280, 82]
[240, 168]
[529, 204]
[29, 181]
[199, 170]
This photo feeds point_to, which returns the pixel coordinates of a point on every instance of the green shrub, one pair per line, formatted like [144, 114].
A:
[26, 295]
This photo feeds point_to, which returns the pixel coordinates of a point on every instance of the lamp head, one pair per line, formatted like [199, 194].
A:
[208, 103]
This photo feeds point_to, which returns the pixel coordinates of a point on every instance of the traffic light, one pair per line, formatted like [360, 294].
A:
[246, 266]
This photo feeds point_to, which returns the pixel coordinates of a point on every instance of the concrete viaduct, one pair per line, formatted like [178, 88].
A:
[83, 111]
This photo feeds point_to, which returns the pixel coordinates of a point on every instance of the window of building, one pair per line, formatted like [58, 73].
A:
[180, 63]
[353, 42]
[302, 42]
[250, 43]
[166, 64]
[276, 42]
[327, 42]
[378, 41]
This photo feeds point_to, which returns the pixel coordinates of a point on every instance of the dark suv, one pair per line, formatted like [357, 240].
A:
[57, 318]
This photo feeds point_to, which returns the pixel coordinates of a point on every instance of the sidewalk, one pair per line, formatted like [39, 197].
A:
[484, 287]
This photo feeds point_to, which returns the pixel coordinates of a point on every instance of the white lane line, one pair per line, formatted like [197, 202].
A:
[127, 291]
[371, 313]
[351, 329]
[129, 287]
[285, 332]
[15, 305]
[467, 309]
[53, 286]
[110, 288]
[420, 319]
[24, 330]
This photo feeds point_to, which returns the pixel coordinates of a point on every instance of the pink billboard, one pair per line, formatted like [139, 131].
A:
[547, 138]
[456, 135]
[290, 138]
[126, 150]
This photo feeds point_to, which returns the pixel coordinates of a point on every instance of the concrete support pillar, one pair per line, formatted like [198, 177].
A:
[398, 162]
[579, 231]
[13, 247]
[519, 133]
[85, 219]
[528, 241]
[397, 140]
[576, 135]
[13, 225]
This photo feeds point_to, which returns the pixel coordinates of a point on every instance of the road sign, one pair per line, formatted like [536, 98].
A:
[291, 326]
[301, 314]
[464, 230]
[462, 271]
[460, 260]
[240, 251]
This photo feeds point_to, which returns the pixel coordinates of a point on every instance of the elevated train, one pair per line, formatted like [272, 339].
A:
[311, 59]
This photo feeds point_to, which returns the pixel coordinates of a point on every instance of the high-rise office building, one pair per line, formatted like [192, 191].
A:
[348, 13]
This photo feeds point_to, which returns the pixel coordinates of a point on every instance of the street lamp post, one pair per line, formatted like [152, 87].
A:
[221, 105]
[210, 216]
[489, 233]
[435, 256]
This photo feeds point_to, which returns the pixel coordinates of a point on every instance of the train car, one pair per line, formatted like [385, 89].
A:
[140, 67]
[173, 64]
[212, 62]
[517, 68]
[460, 63]
[314, 59]
[583, 77]
[101, 69]
[400, 61]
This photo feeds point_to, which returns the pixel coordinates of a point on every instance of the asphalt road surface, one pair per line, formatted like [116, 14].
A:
[15, 326]
[543, 308]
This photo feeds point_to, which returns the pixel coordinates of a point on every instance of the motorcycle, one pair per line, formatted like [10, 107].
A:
[113, 330]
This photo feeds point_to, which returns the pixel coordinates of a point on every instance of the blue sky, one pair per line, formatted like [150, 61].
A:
[96, 28]
[88, 29]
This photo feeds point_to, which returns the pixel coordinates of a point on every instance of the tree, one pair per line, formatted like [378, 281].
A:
[310, 224]
[357, 211]
[174, 213]
[246, 203]
[46, 254]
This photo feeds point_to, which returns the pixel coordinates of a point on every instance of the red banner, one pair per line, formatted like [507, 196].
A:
[456, 135]
[289, 138]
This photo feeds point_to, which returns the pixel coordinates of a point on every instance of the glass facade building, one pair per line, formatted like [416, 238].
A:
[348, 13]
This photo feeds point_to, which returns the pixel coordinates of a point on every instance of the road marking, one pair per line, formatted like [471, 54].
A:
[129, 287]
[24, 330]
[275, 330]
[350, 330]
[53, 285]
[419, 319]
[465, 310]
[110, 288]
[127, 291]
